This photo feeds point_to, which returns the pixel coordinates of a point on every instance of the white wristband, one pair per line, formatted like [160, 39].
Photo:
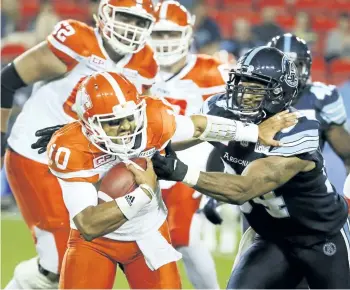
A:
[132, 203]
[192, 176]
[146, 187]
[247, 132]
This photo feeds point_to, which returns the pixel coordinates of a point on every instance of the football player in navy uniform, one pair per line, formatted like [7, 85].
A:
[300, 220]
[317, 100]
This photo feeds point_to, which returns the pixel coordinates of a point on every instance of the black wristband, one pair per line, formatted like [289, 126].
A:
[10, 82]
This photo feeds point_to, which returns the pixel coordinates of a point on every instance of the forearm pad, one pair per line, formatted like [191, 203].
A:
[223, 129]
[10, 82]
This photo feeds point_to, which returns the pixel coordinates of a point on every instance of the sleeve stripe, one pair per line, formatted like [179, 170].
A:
[65, 49]
[212, 90]
[300, 135]
[303, 147]
[301, 140]
[333, 107]
[76, 174]
[336, 119]
[293, 153]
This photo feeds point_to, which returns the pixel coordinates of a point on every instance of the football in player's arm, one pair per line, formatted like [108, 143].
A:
[99, 220]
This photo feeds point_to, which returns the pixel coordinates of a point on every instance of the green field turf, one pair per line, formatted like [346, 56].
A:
[17, 245]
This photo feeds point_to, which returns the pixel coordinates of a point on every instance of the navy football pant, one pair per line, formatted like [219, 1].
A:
[270, 265]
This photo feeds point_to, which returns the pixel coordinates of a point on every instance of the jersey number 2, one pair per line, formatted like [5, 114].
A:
[63, 30]
[273, 204]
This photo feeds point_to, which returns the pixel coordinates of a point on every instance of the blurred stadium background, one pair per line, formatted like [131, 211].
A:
[223, 27]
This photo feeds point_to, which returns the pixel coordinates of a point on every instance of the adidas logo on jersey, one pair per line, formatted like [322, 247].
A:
[129, 199]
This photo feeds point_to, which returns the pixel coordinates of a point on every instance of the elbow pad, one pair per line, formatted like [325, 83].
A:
[10, 82]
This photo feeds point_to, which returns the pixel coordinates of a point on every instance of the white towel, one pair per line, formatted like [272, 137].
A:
[157, 251]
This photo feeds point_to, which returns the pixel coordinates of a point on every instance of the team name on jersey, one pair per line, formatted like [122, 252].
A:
[232, 159]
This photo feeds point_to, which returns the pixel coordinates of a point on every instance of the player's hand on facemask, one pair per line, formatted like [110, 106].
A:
[269, 128]
[45, 136]
[169, 167]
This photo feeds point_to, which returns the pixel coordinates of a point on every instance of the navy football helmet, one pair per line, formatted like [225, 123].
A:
[297, 49]
[263, 83]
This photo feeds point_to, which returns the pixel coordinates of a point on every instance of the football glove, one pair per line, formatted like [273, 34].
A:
[169, 167]
[45, 136]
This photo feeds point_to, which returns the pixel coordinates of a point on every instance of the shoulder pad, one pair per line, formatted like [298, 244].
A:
[300, 138]
[71, 155]
[161, 123]
[208, 74]
[218, 100]
[144, 63]
[72, 41]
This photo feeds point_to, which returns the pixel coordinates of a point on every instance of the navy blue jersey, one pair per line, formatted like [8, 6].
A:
[306, 209]
[323, 103]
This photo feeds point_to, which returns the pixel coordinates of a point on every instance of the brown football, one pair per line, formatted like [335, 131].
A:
[119, 180]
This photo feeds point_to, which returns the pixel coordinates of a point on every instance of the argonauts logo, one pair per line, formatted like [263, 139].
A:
[288, 66]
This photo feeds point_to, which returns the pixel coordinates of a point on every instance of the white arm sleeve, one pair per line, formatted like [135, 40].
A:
[77, 196]
[184, 128]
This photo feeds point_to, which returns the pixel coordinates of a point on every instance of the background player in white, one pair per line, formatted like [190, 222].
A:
[185, 80]
[72, 51]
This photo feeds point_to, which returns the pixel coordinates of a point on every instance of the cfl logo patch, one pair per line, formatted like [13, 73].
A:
[329, 249]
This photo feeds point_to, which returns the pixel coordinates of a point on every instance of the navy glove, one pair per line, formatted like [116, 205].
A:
[211, 213]
[45, 136]
[169, 167]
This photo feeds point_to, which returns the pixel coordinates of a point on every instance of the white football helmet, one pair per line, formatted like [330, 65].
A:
[172, 16]
[125, 37]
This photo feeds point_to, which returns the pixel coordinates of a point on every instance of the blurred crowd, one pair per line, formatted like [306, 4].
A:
[233, 26]
[227, 28]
